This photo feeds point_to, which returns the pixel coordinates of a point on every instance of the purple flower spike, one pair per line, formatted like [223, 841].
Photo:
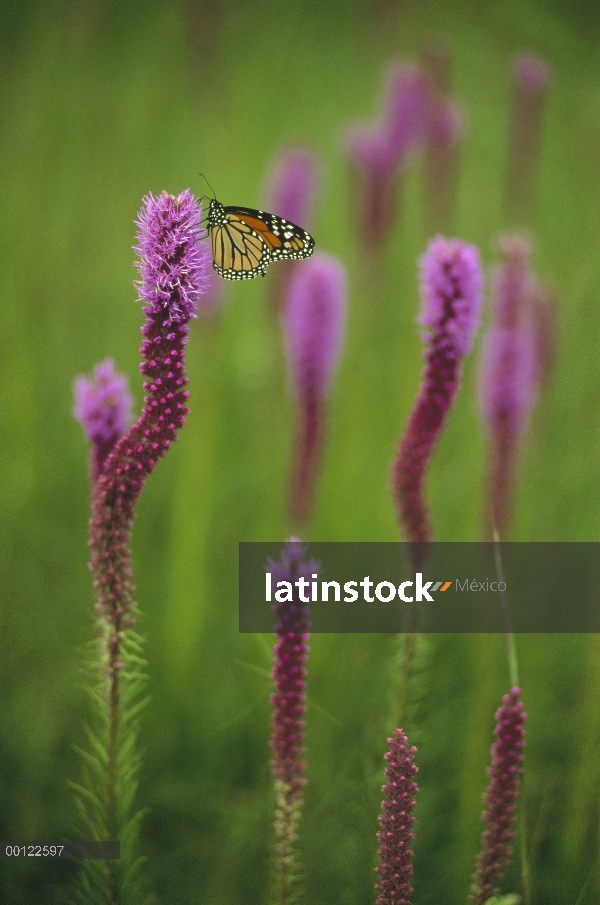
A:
[500, 798]
[173, 262]
[103, 407]
[531, 78]
[445, 127]
[395, 836]
[405, 109]
[291, 191]
[289, 705]
[292, 186]
[451, 294]
[531, 73]
[508, 375]
[372, 160]
[380, 151]
[313, 322]
[173, 269]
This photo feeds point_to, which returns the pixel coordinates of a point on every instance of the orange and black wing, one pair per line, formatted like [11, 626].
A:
[245, 241]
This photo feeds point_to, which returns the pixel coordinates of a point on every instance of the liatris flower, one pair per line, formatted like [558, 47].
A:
[451, 295]
[444, 128]
[313, 322]
[291, 190]
[395, 836]
[173, 266]
[289, 707]
[508, 376]
[378, 153]
[500, 798]
[103, 407]
[531, 77]
[292, 185]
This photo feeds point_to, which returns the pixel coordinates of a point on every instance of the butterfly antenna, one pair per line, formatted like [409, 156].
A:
[208, 184]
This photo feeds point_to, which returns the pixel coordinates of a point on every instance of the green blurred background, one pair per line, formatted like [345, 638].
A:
[101, 102]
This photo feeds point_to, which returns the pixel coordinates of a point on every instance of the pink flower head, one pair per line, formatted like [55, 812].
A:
[446, 123]
[451, 294]
[508, 374]
[451, 284]
[500, 798]
[289, 704]
[103, 407]
[531, 78]
[313, 322]
[379, 151]
[405, 109]
[291, 192]
[292, 186]
[395, 836]
[173, 267]
[531, 73]
[172, 260]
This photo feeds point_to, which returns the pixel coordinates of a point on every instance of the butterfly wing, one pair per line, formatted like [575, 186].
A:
[283, 238]
[245, 241]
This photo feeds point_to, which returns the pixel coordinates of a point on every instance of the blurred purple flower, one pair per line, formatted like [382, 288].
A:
[451, 295]
[500, 798]
[531, 79]
[378, 152]
[395, 836]
[445, 127]
[103, 408]
[313, 322]
[173, 267]
[292, 186]
[531, 73]
[405, 109]
[289, 706]
[508, 375]
[291, 190]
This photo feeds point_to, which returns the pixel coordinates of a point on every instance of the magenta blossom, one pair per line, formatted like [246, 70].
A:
[531, 79]
[451, 296]
[396, 821]
[292, 186]
[379, 152]
[500, 798]
[103, 407]
[313, 322]
[291, 191]
[289, 707]
[508, 375]
[173, 267]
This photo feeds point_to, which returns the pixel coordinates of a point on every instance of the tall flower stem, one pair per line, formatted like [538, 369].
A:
[289, 706]
[173, 266]
[396, 821]
[531, 78]
[451, 284]
[313, 324]
[500, 798]
[508, 378]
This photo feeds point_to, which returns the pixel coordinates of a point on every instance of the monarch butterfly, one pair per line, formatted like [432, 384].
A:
[245, 241]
